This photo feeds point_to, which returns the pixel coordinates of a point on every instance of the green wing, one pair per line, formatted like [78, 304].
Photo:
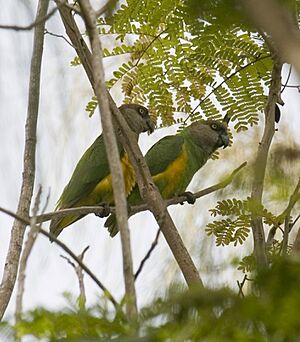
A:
[163, 153]
[91, 168]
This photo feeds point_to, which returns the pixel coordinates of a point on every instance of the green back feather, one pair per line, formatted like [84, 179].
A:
[92, 167]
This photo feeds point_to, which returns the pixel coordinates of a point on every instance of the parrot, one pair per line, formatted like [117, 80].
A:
[91, 183]
[174, 160]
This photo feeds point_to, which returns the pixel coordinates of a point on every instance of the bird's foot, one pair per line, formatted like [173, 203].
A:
[190, 197]
[105, 210]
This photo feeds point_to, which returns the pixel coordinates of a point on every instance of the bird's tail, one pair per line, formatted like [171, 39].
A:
[58, 224]
[111, 225]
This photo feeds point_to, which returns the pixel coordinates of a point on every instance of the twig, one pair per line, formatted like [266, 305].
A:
[241, 285]
[40, 20]
[58, 36]
[79, 273]
[287, 80]
[26, 221]
[18, 229]
[31, 238]
[148, 254]
[82, 265]
[110, 140]
[260, 166]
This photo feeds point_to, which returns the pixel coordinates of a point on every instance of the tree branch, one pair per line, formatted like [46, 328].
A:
[40, 20]
[260, 165]
[32, 235]
[79, 273]
[18, 229]
[148, 254]
[110, 140]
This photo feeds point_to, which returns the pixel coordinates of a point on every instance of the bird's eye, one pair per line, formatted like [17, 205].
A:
[141, 111]
[214, 126]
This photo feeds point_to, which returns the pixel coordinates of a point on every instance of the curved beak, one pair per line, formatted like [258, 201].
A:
[225, 140]
[150, 125]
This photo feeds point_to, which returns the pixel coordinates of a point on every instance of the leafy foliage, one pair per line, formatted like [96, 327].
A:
[236, 230]
[188, 63]
[194, 315]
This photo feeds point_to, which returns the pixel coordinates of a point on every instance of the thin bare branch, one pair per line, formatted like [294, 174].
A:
[148, 254]
[38, 21]
[241, 285]
[58, 36]
[26, 221]
[79, 273]
[261, 163]
[77, 40]
[110, 140]
[32, 235]
[18, 229]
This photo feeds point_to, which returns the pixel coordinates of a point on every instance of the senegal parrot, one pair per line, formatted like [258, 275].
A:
[91, 182]
[174, 160]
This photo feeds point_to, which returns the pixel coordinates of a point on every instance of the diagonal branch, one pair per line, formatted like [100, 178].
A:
[18, 229]
[148, 254]
[38, 21]
[26, 221]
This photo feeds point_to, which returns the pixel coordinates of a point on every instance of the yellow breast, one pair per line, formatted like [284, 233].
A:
[103, 191]
[169, 181]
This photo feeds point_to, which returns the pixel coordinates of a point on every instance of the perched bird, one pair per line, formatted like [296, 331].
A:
[174, 160]
[91, 183]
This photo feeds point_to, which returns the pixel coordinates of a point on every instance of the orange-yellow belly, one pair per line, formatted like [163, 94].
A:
[103, 191]
[171, 181]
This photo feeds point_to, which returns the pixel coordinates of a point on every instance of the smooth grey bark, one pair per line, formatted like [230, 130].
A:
[18, 229]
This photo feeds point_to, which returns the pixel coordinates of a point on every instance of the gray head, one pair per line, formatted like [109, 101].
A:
[137, 117]
[209, 134]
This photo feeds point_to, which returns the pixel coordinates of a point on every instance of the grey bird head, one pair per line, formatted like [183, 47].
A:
[210, 134]
[137, 117]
